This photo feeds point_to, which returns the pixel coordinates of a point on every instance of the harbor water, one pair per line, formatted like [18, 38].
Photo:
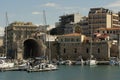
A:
[100, 72]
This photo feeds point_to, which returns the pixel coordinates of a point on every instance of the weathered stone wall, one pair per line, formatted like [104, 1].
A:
[100, 50]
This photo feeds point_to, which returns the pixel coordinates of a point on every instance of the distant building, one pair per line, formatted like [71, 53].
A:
[112, 32]
[84, 26]
[102, 18]
[66, 24]
[69, 28]
[70, 18]
[1, 40]
[2, 54]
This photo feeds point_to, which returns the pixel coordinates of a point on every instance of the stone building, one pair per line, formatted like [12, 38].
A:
[100, 50]
[19, 37]
[24, 41]
[72, 46]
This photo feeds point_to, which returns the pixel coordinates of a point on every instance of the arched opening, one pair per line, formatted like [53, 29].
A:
[32, 48]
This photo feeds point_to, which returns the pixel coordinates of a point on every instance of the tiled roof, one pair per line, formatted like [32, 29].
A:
[103, 36]
[72, 34]
[108, 29]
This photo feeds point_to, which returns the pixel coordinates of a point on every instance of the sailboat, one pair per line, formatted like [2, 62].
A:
[50, 64]
[5, 64]
[44, 66]
[91, 61]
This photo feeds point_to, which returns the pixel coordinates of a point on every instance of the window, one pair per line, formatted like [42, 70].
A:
[64, 50]
[75, 50]
[72, 39]
[67, 40]
[61, 40]
[113, 32]
[110, 31]
[77, 40]
[87, 50]
[98, 50]
[98, 31]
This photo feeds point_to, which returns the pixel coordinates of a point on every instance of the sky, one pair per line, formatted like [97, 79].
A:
[32, 10]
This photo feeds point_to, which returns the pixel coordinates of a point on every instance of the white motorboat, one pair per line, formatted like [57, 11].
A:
[80, 62]
[23, 66]
[91, 62]
[43, 67]
[68, 62]
[4, 64]
[61, 62]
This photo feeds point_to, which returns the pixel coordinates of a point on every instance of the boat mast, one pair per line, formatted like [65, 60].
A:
[119, 45]
[44, 17]
[44, 38]
[7, 22]
[45, 25]
[91, 39]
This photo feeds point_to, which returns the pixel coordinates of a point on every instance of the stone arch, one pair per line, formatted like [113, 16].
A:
[33, 48]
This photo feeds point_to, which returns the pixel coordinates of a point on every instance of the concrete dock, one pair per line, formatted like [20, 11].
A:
[102, 62]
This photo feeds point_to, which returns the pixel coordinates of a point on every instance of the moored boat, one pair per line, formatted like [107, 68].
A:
[91, 62]
[4, 64]
[42, 67]
[114, 61]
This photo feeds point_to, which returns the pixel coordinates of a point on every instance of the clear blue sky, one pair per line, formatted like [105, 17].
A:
[31, 10]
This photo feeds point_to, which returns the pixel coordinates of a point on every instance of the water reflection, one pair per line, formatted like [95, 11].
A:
[67, 73]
